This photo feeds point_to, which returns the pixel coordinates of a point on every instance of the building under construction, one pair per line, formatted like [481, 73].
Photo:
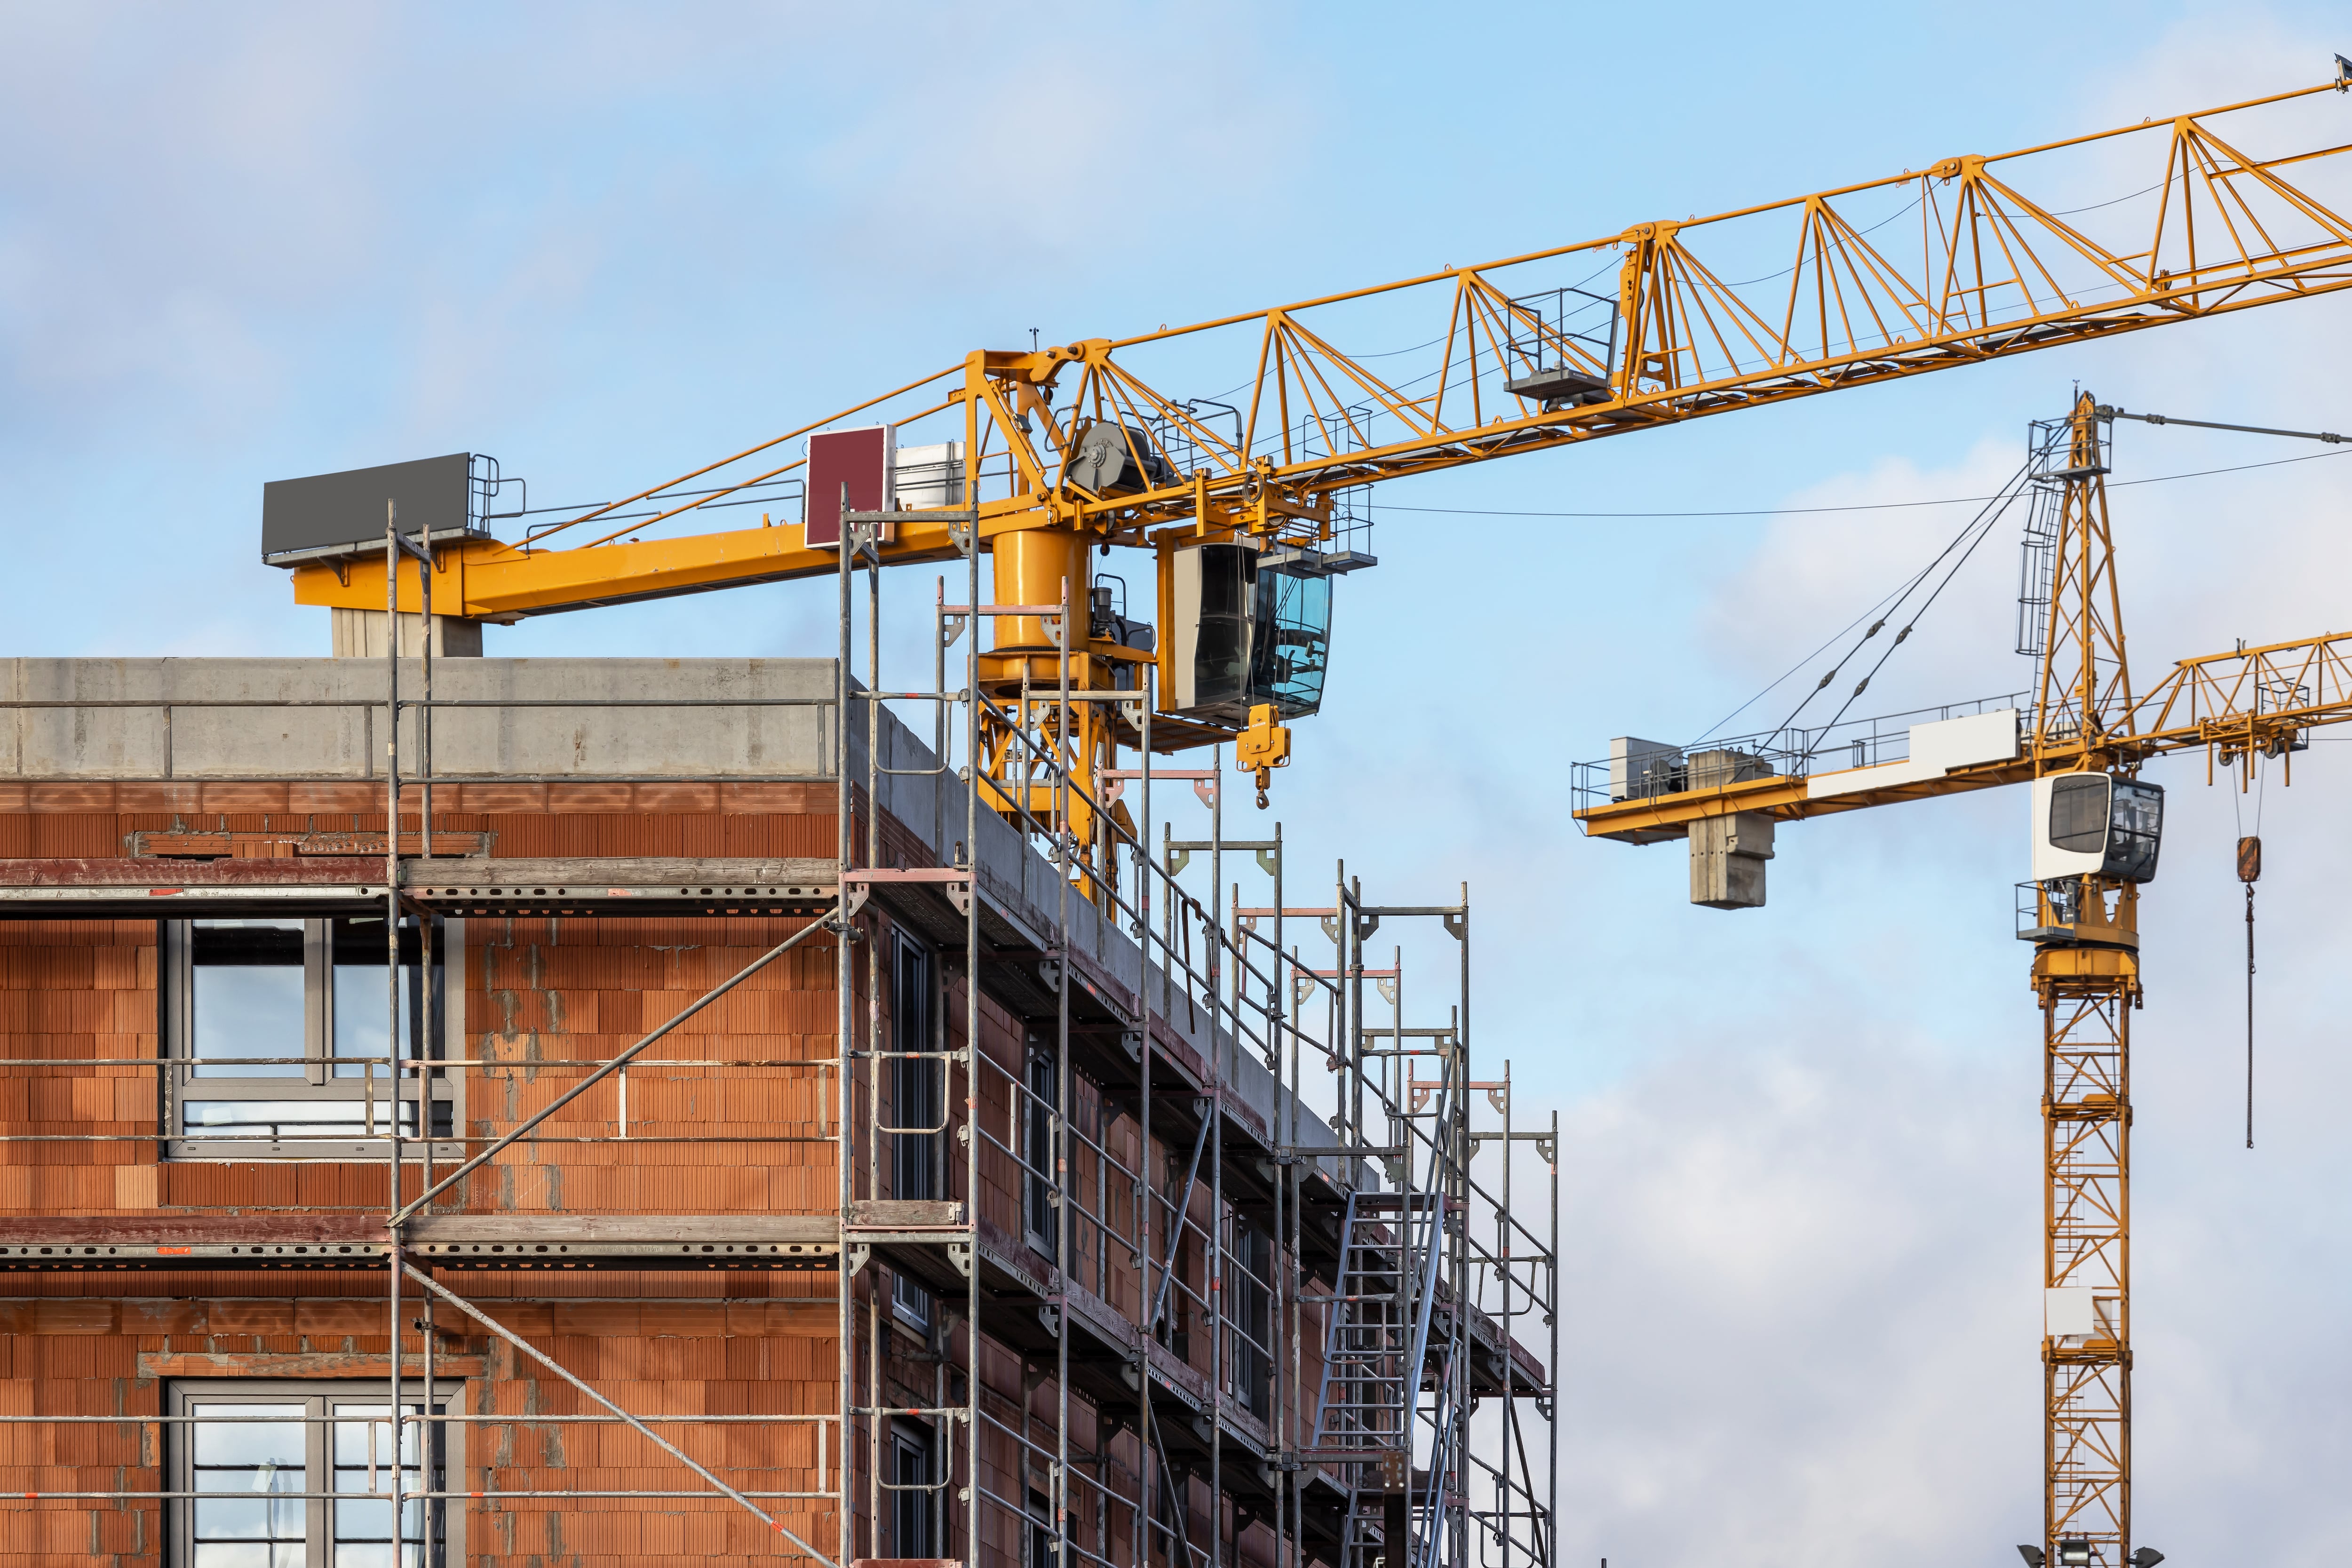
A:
[577, 1112]
[706, 1128]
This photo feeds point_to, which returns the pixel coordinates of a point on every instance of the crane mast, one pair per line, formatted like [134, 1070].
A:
[2085, 978]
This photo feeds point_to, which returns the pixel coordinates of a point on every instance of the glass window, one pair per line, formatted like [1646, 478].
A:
[1249, 1295]
[362, 1007]
[298, 1119]
[282, 1024]
[292, 1475]
[915, 1104]
[362, 1503]
[1290, 642]
[2137, 823]
[2078, 814]
[914, 1080]
[1045, 1548]
[1038, 1135]
[912, 1516]
[246, 996]
[256, 1454]
[1222, 647]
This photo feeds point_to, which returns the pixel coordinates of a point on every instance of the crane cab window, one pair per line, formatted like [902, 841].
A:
[2078, 813]
[2134, 830]
[2120, 821]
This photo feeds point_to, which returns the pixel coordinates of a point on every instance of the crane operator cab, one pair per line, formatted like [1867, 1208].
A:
[1253, 630]
[2088, 828]
[1252, 642]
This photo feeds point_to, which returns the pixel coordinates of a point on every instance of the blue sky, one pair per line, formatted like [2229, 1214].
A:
[604, 244]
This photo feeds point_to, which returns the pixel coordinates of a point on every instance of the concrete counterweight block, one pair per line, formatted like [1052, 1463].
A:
[1726, 861]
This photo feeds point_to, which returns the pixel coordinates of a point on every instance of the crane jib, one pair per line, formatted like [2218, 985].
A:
[1963, 260]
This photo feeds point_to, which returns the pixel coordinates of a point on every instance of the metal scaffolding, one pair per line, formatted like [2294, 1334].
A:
[1220, 1250]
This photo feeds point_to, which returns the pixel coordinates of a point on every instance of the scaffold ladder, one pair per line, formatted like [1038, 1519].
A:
[1374, 1349]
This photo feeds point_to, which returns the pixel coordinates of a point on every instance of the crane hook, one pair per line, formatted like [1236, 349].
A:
[2249, 871]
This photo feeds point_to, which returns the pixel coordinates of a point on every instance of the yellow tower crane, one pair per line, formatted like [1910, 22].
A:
[2096, 829]
[1246, 502]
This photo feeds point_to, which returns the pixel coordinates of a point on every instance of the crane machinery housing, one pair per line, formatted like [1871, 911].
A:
[1249, 503]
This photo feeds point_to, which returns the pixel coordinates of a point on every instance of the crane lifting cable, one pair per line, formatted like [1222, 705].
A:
[2249, 845]
[2249, 871]
[1962, 546]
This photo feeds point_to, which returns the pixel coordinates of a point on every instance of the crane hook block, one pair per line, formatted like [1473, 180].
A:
[2250, 859]
[1264, 746]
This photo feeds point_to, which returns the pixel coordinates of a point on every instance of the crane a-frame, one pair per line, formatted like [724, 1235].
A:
[2095, 835]
[1243, 499]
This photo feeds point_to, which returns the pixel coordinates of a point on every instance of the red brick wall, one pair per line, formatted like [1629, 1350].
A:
[538, 994]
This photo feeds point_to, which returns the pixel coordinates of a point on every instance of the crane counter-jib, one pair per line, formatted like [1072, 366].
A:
[2255, 699]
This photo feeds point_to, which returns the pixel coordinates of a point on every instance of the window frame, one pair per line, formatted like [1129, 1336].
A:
[1041, 1546]
[916, 1440]
[917, 1099]
[1248, 1321]
[912, 1010]
[443, 1451]
[1041, 1086]
[443, 990]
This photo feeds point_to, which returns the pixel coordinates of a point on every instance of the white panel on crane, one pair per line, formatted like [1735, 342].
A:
[1936, 750]
[2069, 1309]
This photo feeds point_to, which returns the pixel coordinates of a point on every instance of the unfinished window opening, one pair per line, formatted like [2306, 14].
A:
[1249, 1303]
[284, 1034]
[914, 1496]
[1187, 1275]
[916, 1098]
[1038, 1151]
[1043, 1546]
[295, 1474]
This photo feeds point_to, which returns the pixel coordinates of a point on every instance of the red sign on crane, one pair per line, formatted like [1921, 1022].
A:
[853, 462]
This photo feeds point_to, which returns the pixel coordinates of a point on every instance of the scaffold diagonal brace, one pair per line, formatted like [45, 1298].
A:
[641, 1428]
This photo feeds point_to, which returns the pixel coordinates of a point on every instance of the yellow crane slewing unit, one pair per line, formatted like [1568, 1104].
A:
[1054, 451]
[2096, 829]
